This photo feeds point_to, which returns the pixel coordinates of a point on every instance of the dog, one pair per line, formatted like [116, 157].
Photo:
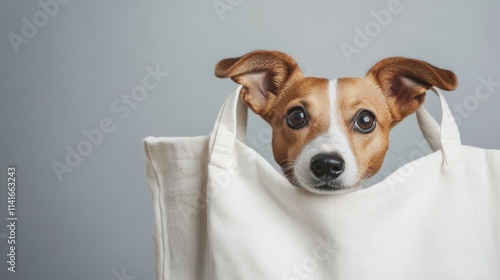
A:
[330, 134]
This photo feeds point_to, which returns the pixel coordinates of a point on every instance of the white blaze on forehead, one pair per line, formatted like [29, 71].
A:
[337, 140]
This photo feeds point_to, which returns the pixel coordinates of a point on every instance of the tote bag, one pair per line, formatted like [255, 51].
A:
[223, 212]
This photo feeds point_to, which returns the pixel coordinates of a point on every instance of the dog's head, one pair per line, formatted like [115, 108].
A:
[328, 135]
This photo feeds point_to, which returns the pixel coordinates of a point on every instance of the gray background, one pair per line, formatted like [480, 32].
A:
[98, 220]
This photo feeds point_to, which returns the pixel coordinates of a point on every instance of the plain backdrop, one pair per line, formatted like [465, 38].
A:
[85, 59]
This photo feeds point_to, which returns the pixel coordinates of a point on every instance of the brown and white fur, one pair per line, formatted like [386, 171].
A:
[328, 135]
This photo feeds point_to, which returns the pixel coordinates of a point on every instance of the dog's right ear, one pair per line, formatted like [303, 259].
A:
[404, 82]
[263, 75]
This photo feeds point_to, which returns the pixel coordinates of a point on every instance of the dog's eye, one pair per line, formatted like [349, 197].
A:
[296, 118]
[365, 121]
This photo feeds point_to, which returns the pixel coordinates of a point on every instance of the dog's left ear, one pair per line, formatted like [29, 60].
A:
[404, 82]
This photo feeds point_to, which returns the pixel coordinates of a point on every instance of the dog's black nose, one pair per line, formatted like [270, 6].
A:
[327, 166]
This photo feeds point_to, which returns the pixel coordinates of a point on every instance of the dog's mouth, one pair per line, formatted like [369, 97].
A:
[328, 188]
[334, 189]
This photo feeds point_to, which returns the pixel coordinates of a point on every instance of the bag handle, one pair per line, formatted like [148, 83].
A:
[231, 125]
[445, 137]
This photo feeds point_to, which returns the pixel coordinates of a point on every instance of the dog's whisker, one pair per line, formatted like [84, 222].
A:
[398, 155]
[287, 166]
[380, 175]
[263, 146]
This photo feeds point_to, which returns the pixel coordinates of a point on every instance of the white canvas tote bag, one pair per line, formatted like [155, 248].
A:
[223, 212]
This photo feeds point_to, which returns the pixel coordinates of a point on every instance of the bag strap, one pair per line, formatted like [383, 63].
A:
[445, 137]
[231, 125]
